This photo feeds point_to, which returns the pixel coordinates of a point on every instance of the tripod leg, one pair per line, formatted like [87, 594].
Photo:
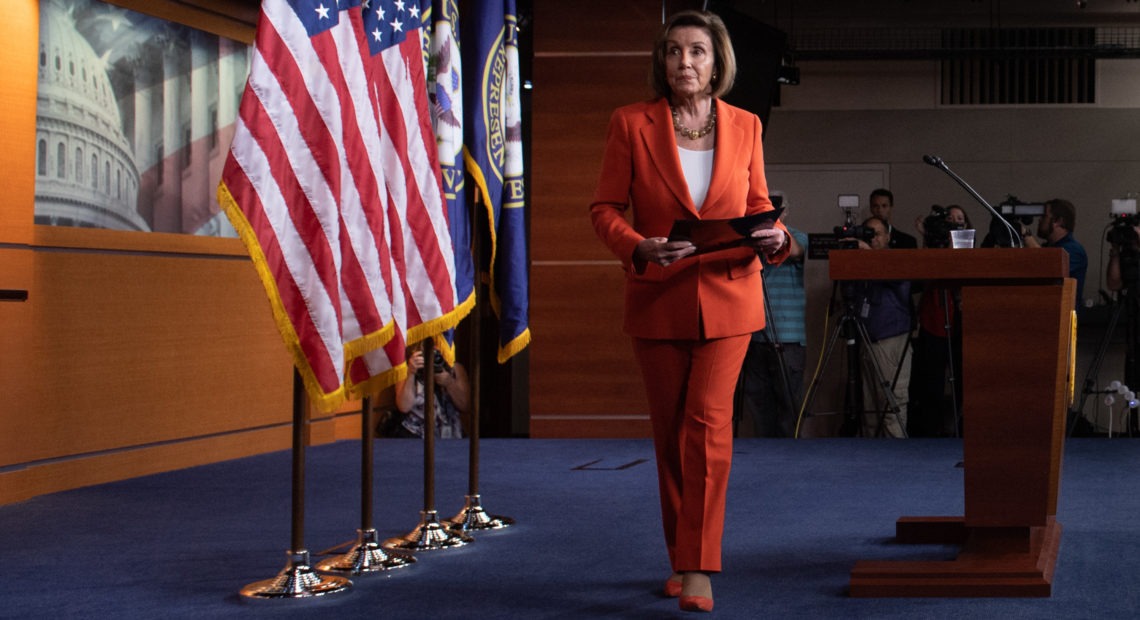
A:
[829, 348]
[955, 406]
[1094, 366]
[789, 404]
[1131, 371]
[872, 362]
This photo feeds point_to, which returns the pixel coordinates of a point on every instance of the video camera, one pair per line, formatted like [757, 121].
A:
[937, 226]
[849, 236]
[1016, 213]
[1123, 218]
[840, 237]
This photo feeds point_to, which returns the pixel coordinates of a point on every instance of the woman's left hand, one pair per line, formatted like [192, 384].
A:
[768, 240]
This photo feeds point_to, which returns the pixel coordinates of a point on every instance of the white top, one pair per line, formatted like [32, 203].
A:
[697, 166]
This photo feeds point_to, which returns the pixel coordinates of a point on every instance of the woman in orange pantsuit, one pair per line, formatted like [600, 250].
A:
[687, 155]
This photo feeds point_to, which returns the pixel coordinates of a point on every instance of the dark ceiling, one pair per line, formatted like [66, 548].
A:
[861, 29]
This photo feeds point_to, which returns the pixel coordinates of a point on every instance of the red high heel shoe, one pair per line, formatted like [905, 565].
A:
[696, 603]
[672, 588]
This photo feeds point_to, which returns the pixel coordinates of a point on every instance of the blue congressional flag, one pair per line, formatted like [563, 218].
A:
[445, 92]
[493, 153]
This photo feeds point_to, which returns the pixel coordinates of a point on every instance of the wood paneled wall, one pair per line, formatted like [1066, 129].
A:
[583, 378]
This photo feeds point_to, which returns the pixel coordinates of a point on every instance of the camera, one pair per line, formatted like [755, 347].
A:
[848, 236]
[440, 364]
[1121, 231]
[936, 228]
[1015, 214]
[842, 237]
[1014, 211]
[1123, 218]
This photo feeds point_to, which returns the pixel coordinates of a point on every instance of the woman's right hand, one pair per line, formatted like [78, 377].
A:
[661, 251]
[415, 362]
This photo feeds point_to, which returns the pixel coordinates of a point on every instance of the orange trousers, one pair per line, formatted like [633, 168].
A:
[690, 384]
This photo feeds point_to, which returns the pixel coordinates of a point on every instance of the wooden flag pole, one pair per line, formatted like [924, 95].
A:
[430, 534]
[366, 556]
[473, 516]
[297, 580]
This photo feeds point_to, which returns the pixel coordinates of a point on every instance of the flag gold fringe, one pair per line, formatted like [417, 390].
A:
[515, 346]
[378, 383]
[326, 402]
[447, 349]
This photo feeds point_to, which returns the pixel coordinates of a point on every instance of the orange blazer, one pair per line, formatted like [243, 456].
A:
[709, 296]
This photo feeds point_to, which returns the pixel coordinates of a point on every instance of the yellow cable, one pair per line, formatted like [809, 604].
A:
[815, 374]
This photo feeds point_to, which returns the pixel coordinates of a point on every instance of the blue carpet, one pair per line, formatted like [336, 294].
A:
[587, 543]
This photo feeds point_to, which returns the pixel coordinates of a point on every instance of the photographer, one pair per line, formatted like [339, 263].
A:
[939, 337]
[452, 398]
[1056, 227]
[884, 309]
[1123, 271]
[935, 228]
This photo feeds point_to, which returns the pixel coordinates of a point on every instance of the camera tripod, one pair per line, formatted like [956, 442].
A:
[937, 356]
[786, 393]
[1128, 302]
[854, 334]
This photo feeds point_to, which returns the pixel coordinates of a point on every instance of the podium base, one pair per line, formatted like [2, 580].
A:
[994, 562]
[365, 557]
[296, 581]
[473, 517]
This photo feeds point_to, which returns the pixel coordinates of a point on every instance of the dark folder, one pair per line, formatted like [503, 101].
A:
[716, 235]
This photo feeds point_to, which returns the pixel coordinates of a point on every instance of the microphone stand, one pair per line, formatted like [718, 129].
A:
[1014, 236]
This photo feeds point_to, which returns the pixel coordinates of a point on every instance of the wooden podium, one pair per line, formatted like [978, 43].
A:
[1016, 336]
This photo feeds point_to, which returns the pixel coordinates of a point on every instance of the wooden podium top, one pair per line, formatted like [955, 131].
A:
[948, 264]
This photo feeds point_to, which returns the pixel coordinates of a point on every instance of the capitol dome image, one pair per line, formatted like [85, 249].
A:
[86, 173]
[134, 117]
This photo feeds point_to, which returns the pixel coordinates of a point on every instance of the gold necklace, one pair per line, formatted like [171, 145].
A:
[695, 134]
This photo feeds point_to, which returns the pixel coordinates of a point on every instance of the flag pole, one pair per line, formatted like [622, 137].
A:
[366, 556]
[430, 534]
[297, 580]
[473, 516]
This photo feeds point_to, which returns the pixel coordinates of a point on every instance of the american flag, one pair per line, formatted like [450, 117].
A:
[332, 191]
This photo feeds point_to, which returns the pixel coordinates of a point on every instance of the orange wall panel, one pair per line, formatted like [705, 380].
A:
[134, 349]
[20, 32]
[17, 374]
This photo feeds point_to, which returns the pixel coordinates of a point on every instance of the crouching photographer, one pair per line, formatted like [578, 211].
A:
[452, 399]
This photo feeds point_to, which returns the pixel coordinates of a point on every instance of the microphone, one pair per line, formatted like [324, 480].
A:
[936, 161]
